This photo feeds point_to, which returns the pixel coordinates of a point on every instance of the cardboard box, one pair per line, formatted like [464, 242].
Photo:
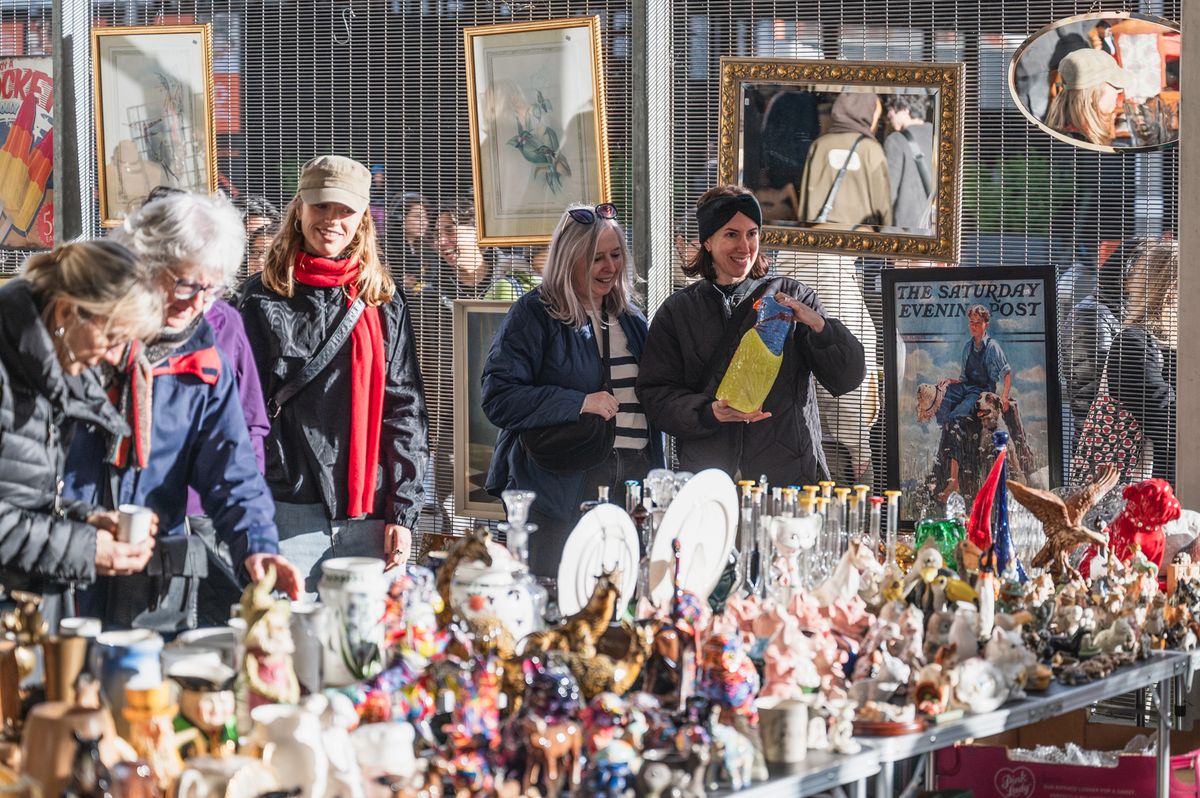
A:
[989, 773]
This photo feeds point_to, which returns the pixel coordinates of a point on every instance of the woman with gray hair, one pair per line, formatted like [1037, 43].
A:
[566, 350]
[180, 395]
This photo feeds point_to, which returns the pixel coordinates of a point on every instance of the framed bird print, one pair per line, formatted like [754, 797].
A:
[535, 94]
[153, 91]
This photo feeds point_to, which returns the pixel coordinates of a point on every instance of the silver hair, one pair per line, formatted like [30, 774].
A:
[186, 228]
[571, 243]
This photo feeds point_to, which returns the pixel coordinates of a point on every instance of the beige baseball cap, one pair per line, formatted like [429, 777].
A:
[335, 178]
[1083, 69]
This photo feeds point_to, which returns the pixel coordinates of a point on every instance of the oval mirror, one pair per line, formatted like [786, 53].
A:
[1105, 81]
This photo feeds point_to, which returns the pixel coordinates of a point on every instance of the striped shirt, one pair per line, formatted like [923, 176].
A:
[632, 429]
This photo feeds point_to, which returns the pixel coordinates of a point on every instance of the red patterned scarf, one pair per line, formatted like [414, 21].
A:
[366, 377]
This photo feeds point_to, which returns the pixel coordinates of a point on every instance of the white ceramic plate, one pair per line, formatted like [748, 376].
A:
[704, 516]
[604, 539]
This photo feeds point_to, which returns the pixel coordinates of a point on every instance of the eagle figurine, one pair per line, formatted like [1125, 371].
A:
[1063, 520]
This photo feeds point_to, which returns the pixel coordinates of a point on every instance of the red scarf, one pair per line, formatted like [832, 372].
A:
[366, 378]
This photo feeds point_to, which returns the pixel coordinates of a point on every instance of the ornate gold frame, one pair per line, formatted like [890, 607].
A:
[210, 136]
[947, 78]
[592, 25]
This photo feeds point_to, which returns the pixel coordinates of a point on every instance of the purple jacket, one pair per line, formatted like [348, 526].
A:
[230, 333]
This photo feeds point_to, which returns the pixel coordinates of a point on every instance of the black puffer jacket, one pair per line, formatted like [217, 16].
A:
[677, 393]
[44, 540]
[308, 448]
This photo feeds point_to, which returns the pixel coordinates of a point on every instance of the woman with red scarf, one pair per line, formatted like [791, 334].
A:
[347, 451]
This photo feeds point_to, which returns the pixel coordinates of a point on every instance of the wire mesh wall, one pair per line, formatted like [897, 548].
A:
[1028, 200]
[384, 81]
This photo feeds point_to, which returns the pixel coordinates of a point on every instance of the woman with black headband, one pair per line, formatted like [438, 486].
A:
[693, 338]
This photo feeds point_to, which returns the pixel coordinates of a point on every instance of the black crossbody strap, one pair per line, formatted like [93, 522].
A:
[919, 159]
[330, 347]
[736, 327]
[604, 354]
[827, 208]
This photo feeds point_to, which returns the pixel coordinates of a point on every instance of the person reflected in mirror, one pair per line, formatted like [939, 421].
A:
[545, 368]
[910, 161]
[348, 453]
[71, 309]
[1086, 106]
[845, 183]
[694, 336]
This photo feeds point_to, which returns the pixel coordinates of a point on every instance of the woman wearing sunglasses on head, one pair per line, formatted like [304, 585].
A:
[568, 417]
[188, 429]
[696, 332]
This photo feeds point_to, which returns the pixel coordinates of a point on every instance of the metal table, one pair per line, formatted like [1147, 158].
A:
[1159, 670]
[818, 772]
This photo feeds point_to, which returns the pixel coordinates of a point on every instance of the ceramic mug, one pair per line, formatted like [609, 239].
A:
[64, 659]
[126, 660]
[133, 523]
[783, 726]
[354, 590]
[308, 631]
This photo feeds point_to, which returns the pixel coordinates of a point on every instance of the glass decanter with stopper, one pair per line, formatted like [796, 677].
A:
[516, 533]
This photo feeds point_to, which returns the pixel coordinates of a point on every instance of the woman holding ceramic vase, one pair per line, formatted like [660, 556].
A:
[72, 309]
[546, 368]
[347, 451]
[694, 336]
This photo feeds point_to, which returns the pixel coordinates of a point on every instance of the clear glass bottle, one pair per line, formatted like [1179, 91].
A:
[875, 526]
[517, 532]
[893, 527]
[601, 498]
[746, 543]
[860, 492]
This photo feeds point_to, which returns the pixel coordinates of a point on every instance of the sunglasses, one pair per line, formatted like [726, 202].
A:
[589, 215]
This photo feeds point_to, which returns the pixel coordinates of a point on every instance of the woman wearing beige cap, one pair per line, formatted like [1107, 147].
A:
[347, 451]
[1092, 83]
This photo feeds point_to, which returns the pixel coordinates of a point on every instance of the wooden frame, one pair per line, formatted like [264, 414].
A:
[535, 99]
[925, 315]
[475, 323]
[153, 93]
[943, 83]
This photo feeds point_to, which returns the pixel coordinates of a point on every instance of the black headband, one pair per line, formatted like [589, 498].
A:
[716, 213]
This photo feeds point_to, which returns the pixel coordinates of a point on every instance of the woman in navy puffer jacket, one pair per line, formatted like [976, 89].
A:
[545, 368]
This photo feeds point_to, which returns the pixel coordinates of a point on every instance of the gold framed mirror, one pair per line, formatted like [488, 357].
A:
[818, 143]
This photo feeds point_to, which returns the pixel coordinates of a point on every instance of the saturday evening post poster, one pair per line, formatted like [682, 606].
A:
[972, 351]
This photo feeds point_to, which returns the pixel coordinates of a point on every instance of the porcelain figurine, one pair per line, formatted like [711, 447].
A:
[841, 728]
[736, 757]
[1149, 507]
[1116, 639]
[206, 722]
[1062, 519]
[1007, 651]
[964, 632]
[727, 676]
[472, 547]
[89, 778]
[937, 633]
[151, 716]
[981, 687]
[267, 665]
[847, 577]
[337, 717]
[611, 771]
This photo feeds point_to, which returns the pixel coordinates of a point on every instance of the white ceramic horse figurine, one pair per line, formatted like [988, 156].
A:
[847, 577]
